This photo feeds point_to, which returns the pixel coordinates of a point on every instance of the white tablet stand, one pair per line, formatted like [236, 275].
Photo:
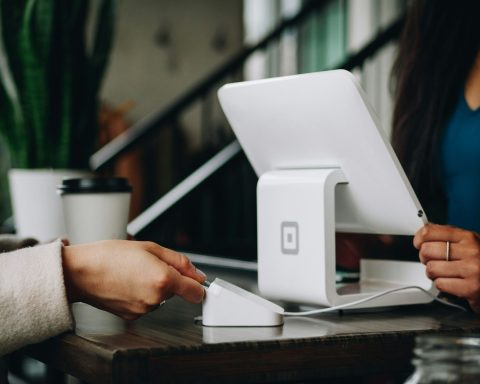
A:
[296, 246]
[324, 164]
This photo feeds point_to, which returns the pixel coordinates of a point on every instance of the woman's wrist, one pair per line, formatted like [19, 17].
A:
[72, 270]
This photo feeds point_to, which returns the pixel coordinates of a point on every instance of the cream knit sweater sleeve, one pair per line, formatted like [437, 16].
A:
[33, 302]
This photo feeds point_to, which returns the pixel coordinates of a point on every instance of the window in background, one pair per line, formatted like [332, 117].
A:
[259, 18]
[341, 28]
[323, 38]
[365, 19]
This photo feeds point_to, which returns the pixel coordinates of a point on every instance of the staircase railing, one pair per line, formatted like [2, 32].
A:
[158, 120]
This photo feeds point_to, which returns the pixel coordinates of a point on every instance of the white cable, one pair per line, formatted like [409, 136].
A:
[377, 295]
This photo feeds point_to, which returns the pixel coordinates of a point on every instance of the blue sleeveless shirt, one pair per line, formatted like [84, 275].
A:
[460, 166]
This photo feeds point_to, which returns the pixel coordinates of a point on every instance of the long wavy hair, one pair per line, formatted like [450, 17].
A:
[437, 49]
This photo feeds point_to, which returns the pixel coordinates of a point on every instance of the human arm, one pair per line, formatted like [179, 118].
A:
[33, 304]
[460, 276]
[129, 278]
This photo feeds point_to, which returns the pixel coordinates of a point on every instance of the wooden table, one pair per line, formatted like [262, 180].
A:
[167, 346]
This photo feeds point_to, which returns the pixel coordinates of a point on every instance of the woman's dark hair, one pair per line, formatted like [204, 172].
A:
[438, 47]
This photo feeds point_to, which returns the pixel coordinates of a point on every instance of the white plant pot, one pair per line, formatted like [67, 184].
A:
[36, 205]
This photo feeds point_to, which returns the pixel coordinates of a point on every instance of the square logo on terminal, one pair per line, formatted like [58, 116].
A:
[289, 237]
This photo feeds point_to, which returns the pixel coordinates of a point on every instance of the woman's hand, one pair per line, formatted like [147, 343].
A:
[460, 276]
[129, 278]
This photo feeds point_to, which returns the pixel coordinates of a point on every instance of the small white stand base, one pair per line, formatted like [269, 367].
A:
[296, 246]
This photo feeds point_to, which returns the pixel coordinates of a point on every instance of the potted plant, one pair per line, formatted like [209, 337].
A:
[54, 55]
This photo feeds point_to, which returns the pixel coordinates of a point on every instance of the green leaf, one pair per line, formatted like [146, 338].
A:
[8, 122]
[104, 32]
[12, 126]
[11, 14]
[97, 61]
[49, 89]
[34, 93]
[42, 28]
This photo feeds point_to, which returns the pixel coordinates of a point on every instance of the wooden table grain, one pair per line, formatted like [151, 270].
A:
[167, 346]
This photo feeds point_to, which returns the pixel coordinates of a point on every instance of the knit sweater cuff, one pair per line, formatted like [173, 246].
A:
[33, 301]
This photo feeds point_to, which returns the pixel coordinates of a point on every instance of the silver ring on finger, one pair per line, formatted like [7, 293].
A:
[447, 252]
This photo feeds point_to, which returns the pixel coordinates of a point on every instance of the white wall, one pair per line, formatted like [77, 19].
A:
[151, 72]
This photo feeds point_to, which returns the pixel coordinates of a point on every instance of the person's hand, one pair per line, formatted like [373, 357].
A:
[460, 276]
[129, 278]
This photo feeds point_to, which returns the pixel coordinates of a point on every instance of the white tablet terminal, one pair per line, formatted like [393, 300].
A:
[324, 165]
[323, 120]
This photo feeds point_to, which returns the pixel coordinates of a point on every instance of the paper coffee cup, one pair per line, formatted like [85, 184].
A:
[95, 208]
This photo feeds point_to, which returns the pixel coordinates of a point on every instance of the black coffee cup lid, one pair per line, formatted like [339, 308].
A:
[94, 185]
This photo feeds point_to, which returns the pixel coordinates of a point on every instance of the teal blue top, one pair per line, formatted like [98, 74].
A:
[460, 166]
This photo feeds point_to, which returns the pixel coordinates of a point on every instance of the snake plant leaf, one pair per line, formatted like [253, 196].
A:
[70, 54]
[43, 29]
[8, 122]
[11, 119]
[34, 94]
[11, 13]
[97, 58]
[76, 77]
[50, 94]
[102, 46]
